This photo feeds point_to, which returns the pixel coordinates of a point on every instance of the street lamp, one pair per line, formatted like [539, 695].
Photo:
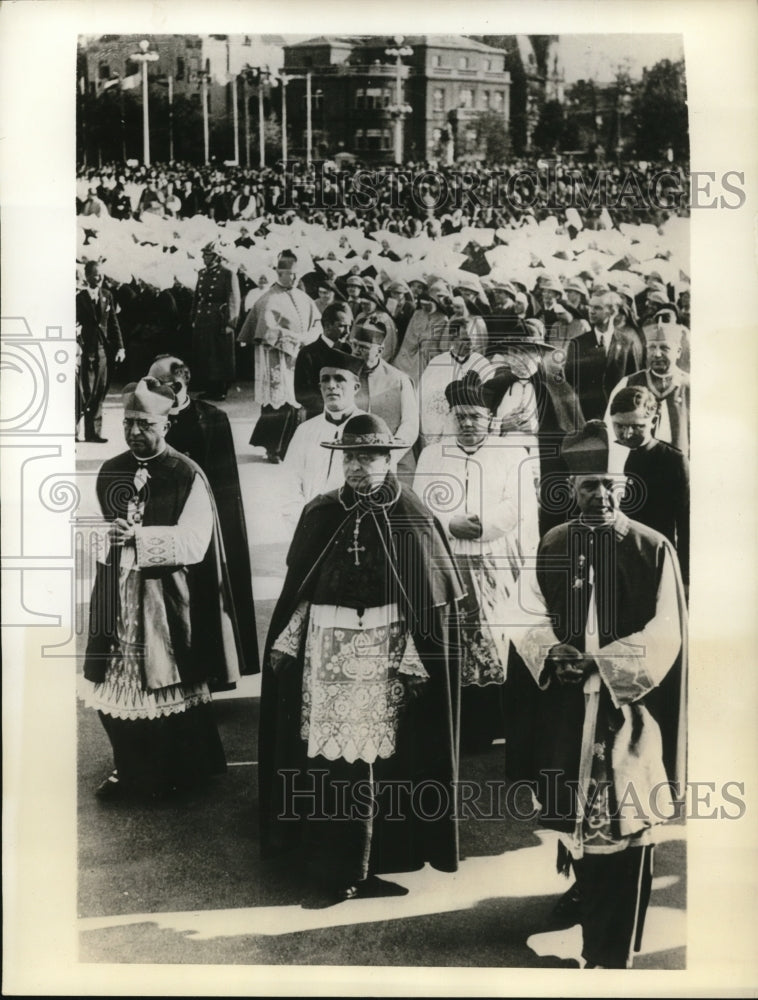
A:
[259, 76]
[285, 78]
[144, 57]
[204, 76]
[399, 109]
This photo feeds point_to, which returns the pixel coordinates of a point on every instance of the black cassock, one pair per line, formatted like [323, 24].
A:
[411, 566]
[202, 431]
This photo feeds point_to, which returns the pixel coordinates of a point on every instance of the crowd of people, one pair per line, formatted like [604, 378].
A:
[482, 421]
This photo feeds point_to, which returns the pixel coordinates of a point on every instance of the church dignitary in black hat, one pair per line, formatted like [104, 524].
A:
[202, 431]
[215, 309]
[281, 321]
[359, 699]
[161, 619]
[607, 656]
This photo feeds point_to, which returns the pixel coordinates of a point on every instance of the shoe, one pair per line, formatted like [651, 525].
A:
[370, 888]
[567, 911]
[96, 439]
[110, 789]
[274, 458]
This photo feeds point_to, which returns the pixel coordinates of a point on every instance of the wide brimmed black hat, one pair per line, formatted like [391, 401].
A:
[341, 361]
[585, 452]
[529, 333]
[467, 391]
[365, 432]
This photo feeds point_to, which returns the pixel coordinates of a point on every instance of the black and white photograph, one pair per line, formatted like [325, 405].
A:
[367, 476]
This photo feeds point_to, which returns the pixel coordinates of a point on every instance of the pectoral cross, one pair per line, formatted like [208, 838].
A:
[355, 547]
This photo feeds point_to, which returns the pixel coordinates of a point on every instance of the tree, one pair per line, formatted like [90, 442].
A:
[491, 136]
[661, 111]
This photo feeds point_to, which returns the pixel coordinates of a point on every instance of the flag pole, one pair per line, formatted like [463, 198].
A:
[170, 117]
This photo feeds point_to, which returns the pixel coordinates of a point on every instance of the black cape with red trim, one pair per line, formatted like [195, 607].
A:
[428, 591]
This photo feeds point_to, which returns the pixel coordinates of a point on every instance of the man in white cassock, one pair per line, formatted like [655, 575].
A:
[437, 422]
[282, 320]
[481, 490]
[310, 469]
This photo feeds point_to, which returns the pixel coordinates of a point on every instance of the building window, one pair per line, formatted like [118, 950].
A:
[438, 99]
[485, 100]
[488, 65]
[359, 96]
[467, 98]
[463, 62]
[373, 138]
[375, 98]
[360, 142]
[179, 68]
[436, 61]
[104, 71]
[386, 139]
[497, 100]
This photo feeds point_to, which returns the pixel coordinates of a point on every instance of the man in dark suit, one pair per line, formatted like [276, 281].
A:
[336, 321]
[597, 360]
[102, 346]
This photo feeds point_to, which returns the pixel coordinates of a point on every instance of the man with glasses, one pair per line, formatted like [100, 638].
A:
[162, 627]
[597, 360]
[359, 698]
[202, 431]
[668, 383]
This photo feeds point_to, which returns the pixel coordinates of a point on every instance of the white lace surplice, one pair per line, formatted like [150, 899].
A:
[353, 691]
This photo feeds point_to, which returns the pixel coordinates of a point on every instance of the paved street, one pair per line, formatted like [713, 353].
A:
[182, 881]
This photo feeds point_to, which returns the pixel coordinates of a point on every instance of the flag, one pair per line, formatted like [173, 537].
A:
[130, 82]
[123, 82]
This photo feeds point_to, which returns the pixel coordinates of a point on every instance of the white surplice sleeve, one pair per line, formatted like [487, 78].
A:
[634, 665]
[533, 635]
[408, 428]
[182, 544]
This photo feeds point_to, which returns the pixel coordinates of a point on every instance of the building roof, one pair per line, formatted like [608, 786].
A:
[341, 40]
[430, 41]
[450, 42]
